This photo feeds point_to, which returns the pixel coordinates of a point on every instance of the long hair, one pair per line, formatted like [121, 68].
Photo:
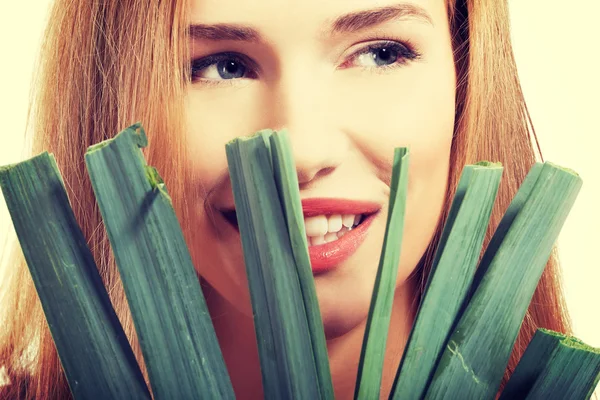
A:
[106, 64]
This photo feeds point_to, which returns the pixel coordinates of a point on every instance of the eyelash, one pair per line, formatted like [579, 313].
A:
[406, 52]
[199, 64]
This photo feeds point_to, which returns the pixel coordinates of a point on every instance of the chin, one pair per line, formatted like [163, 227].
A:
[339, 325]
[343, 305]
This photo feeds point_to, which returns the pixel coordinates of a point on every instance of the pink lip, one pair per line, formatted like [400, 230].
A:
[326, 257]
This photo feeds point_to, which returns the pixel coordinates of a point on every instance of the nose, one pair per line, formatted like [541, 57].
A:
[304, 107]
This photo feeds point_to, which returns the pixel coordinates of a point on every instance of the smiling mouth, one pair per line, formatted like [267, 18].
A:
[334, 229]
[320, 229]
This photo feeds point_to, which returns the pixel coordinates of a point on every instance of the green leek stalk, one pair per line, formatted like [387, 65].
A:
[459, 346]
[281, 323]
[554, 366]
[286, 180]
[170, 315]
[368, 382]
[450, 277]
[477, 352]
[93, 349]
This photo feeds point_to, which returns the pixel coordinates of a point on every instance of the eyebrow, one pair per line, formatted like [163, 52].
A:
[223, 32]
[360, 20]
[348, 23]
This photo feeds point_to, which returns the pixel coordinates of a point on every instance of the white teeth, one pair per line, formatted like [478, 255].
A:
[343, 231]
[322, 229]
[334, 223]
[348, 220]
[316, 226]
[330, 237]
[317, 240]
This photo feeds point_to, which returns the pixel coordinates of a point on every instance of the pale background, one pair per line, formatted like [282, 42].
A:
[557, 46]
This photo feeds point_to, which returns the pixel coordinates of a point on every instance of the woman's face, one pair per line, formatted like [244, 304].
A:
[350, 80]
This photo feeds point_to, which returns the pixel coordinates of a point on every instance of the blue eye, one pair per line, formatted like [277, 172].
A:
[230, 69]
[223, 66]
[381, 55]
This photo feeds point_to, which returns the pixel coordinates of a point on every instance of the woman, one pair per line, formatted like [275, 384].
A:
[350, 80]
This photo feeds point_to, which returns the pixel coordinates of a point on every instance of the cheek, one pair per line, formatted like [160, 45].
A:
[412, 107]
[216, 116]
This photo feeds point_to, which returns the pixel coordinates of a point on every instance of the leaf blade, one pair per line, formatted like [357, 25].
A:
[450, 277]
[286, 179]
[285, 349]
[554, 366]
[477, 352]
[170, 315]
[91, 344]
[373, 348]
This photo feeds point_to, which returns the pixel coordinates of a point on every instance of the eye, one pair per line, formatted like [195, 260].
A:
[384, 54]
[221, 67]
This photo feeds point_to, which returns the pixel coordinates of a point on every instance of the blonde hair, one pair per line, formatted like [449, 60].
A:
[107, 64]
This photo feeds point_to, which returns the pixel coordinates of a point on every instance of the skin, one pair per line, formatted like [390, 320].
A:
[345, 113]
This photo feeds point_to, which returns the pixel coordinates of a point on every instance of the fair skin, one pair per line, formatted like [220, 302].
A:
[384, 78]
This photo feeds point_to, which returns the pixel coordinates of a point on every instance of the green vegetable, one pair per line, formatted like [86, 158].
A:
[373, 348]
[176, 334]
[286, 180]
[554, 366]
[280, 316]
[478, 349]
[92, 347]
[450, 278]
[464, 331]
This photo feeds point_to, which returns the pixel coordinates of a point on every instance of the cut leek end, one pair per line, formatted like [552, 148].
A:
[136, 131]
[281, 132]
[488, 164]
[575, 343]
[560, 167]
[265, 133]
[571, 341]
[8, 167]
[401, 153]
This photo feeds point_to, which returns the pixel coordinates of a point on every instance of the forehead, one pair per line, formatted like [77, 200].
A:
[294, 15]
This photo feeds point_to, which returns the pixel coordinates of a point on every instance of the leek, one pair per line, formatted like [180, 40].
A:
[285, 347]
[93, 349]
[463, 334]
[450, 278]
[174, 328]
[478, 349]
[554, 366]
[372, 353]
